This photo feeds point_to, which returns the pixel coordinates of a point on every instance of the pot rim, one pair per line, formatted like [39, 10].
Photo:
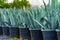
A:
[24, 28]
[57, 29]
[34, 29]
[48, 30]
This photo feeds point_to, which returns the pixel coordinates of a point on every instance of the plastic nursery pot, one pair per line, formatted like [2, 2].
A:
[24, 34]
[58, 34]
[36, 34]
[49, 35]
[5, 31]
[1, 31]
[14, 32]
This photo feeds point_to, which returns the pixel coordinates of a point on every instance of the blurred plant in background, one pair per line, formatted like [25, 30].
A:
[14, 39]
[15, 4]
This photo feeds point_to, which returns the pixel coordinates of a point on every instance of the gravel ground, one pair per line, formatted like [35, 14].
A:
[4, 38]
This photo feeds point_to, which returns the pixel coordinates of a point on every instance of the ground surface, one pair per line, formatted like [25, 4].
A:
[4, 38]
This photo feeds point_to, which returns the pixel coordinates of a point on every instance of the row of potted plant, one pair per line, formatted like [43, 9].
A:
[44, 24]
[41, 23]
[12, 23]
[48, 23]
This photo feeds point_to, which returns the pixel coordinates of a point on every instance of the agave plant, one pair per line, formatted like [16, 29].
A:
[46, 18]
[58, 17]
[3, 19]
[50, 20]
[7, 16]
[35, 13]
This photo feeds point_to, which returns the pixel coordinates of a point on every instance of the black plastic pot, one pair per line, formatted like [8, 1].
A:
[14, 32]
[36, 34]
[5, 31]
[1, 31]
[58, 34]
[49, 35]
[25, 34]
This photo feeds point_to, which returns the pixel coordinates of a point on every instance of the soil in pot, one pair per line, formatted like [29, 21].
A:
[36, 35]
[49, 35]
[24, 34]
